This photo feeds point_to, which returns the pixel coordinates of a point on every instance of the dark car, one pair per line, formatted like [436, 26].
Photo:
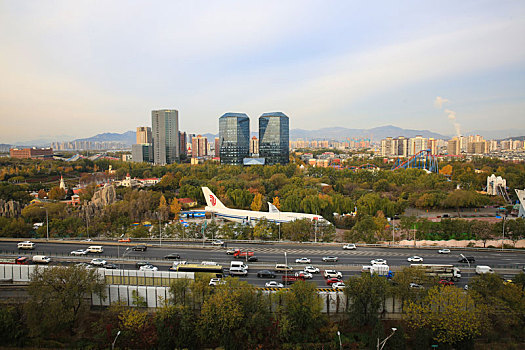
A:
[467, 259]
[266, 274]
[139, 248]
[253, 258]
[139, 264]
[111, 266]
[172, 256]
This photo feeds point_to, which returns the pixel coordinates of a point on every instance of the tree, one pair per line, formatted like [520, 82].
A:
[448, 312]
[56, 298]
[482, 230]
[257, 202]
[163, 209]
[366, 295]
[57, 193]
[401, 283]
[42, 194]
[175, 207]
[301, 312]
[276, 202]
[137, 329]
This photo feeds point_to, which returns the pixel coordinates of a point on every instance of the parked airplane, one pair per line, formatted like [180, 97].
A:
[215, 206]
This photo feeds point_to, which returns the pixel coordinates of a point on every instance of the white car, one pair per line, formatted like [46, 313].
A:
[306, 275]
[79, 252]
[444, 251]
[148, 268]
[333, 274]
[330, 258]
[338, 285]
[215, 282]
[98, 262]
[273, 284]
[303, 261]
[217, 242]
[349, 246]
[311, 269]
[378, 262]
[415, 258]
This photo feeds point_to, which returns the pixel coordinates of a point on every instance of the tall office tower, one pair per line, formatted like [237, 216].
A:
[182, 143]
[217, 147]
[274, 138]
[199, 146]
[143, 134]
[165, 127]
[254, 145]
[234, 138]
[142, 153]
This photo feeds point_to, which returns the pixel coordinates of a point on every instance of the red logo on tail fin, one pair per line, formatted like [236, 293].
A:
[213, 200]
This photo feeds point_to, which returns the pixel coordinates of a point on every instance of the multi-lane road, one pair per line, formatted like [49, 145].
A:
[506, 263]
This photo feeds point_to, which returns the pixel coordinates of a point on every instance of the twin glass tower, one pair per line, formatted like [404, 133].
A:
[274, 138]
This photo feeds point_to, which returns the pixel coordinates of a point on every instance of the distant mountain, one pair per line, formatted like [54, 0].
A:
[375, 134]
[128, 137]
[498, 134]
[514, 138]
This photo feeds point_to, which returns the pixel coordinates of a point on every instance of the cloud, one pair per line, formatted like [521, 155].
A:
[439, 101]
[452, 117]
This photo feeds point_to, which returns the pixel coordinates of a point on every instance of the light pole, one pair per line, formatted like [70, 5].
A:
[285, 269]
[279, 231]
[47, 223]
[340, 344]
[381, 345]
[114, 341]
[393, 229]
[503, 235]
[468, 261]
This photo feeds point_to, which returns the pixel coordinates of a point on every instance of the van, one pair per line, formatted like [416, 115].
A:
[26, 245]
[282, 268]
[238, 271]
[95, 249]
[41, 259]
[481, 269]
[239, 264]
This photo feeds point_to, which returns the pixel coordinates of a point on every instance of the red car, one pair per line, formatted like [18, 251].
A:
[124, 240]
[446, 283]
[329, 281]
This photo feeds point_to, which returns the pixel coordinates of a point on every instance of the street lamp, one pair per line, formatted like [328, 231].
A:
[468, 261]
[285, 268]
[381, 345]
[503, 236]
[340, 344]
[47, 223]
[114, 341]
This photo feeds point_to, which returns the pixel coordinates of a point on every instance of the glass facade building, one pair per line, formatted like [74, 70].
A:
[165, 132]
[274, 138]
[234, 138]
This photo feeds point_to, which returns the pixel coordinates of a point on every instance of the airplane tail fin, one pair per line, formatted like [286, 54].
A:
[272, 208]
[211, 199]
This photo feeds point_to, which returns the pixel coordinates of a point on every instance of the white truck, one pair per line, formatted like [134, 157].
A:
[238, 264]
[443, 272]
[381, 270]
[41, 259]
[482, 269]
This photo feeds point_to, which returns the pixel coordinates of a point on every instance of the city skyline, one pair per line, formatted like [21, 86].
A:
[71, 70]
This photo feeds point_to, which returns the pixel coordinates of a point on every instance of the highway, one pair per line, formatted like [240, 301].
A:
[506, 263]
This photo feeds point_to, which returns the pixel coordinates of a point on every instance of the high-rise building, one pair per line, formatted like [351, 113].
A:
[234, 138]
[199, 146]
[142, 153]
[143, 134]
[254, 145]
[182, 143]
[416, 144]
[217, 145]
[165, 132]
[274, 138]
[453, 146]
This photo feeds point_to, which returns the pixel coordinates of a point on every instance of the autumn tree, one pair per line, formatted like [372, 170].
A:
[57, 193]
[175, 207]
[57, 298]
[276, 202]
[163, 210]
[367, 294]
[482, 230]
[449, 313]
[42, 194]
[257, 202]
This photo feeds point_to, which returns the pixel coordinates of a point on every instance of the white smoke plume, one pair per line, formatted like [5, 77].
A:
[452, 117]
[439, 101]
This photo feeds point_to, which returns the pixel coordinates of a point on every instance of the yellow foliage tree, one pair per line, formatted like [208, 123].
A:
[257, 202]
[163, 208]
[276, 202]
[175, 207]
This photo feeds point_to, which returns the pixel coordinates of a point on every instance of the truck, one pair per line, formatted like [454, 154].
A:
[381, 270]
[238, 264]
[289, 279]
[442, 272]
[481, 269]
[21, 260]
[239, 254]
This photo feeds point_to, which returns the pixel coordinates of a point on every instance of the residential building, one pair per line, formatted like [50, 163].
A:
[199, 146]
[274, 138]
[143, 134]
[182, 143]
[234, 138]
[165, 132]
[254, 145]
[416, 144]
[217, 149]
[453, 146]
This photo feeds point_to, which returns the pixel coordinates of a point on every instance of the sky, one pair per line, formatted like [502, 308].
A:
[72, 69]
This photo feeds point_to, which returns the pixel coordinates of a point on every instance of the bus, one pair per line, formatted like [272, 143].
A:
[216, 270]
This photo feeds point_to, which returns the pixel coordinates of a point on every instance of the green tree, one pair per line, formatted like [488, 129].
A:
[448, 312]
[366, 295]
[57, 193]
[56, 298]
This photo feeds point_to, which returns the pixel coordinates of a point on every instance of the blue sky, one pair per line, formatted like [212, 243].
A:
[77, 68]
